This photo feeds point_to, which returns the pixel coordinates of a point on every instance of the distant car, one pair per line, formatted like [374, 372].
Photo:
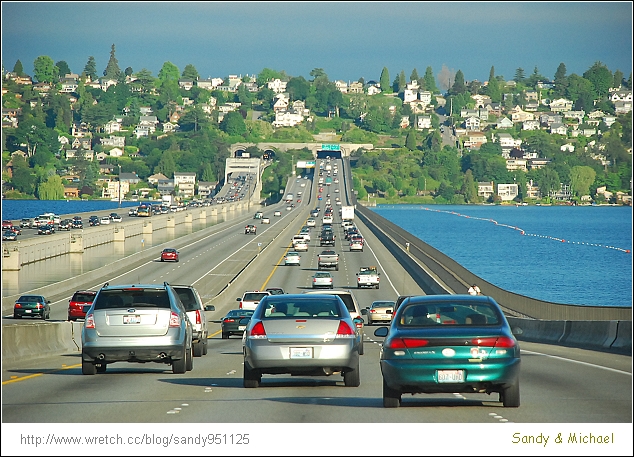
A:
[230, 324]
[170, 254]
[114, 217]
[292, 258]
[277, 214]
[480, 354]
[133, 212]
[322, 279]
[9, 235]
[289, 208]
[380, 311]
[26, 222]
[47, 229]
[32, 306]
[6, 224]
[287, 334]
[190, 298]
[137, 323]
[80, 303]
[275, 290]
[266, 220]
[94, 221]
[104, 220]
[65, 224]
[311, 222]
[250, 299]
[250, 229]
[300, 245]
[77, 223]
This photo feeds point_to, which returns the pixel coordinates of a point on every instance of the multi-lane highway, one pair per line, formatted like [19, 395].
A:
[558, 385]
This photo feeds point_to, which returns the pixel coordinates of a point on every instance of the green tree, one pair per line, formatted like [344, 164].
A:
[430, 81]
[469, 188]
[298, 88]
[233, 124]
[493, 88]
[168, 72]
[519, 75]
[384, 81]
[581, 178]
[548, 181]
[190, 72]
[44, 69]
[561, 81]
[63, 68]
[18, 69]
[112, 68]
[51, 189]
[167, 164]
[267, 75]
[208, 173]
[410, 140]
[23, 178]
[618, 79]
[534, 78]
[458, 86]
[414, 76]
[128, 71]
[601, 79]
[91, 68]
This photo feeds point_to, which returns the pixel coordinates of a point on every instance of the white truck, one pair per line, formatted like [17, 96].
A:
[289, 198]
[347, 213]
[368, 277]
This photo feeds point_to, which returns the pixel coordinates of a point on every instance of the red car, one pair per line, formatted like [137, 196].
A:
[7, 225]
[169, 254]
[80, 303]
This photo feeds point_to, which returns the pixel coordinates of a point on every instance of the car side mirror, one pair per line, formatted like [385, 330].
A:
[364, 311]
[381, 331]
[210, 308]
[238, 299]
[517, 330]
[357, 320]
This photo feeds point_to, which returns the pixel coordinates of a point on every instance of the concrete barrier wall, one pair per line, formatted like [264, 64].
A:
[46, 338]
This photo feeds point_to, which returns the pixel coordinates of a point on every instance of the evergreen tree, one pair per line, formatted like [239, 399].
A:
[410, 140]
[91, 68]
[128, 71]
[618, 79]
[519, 75]
[414, 76]
[63, 68]
[190, 72]
[493, 88]
[458, 86]
[560, 80]
[402, 82]
[112, 69]
[18, 69]
[430, 81]
[600, 77]
[168, 72]
[384, 81]
[167, 164]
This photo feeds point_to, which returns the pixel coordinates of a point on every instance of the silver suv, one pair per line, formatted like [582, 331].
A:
[196, 312]
[136, 323]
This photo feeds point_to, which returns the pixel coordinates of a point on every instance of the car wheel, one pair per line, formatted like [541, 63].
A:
[391, 397]
[43, 315]
[205, 346]
[17, 316]
[352, 378]
[88, 368]
[361, 348]
[189, 359]
[251, 378]
[161, 260]
[511, 396]
[179, 366]
[101, 368]
[198, 349]
[225, 335]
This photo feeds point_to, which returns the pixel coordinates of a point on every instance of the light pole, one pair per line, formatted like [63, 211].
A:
[119, 193]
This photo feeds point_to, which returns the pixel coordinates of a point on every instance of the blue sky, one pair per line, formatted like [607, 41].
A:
[348, 40]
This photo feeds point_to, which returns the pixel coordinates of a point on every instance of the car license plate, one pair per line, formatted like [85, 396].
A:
[301, 353]
[450, 376]
[241, 327]
[131, 319]
[27, 311]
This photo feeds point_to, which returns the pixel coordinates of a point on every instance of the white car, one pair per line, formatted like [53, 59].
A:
[104, 220]
[292, 258]
[327, 220]
[311, 222]
[277, 214]
[301, 246]
[265, 220]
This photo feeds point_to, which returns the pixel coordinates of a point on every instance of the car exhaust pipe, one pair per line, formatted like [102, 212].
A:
[101, 357]
[162, 355]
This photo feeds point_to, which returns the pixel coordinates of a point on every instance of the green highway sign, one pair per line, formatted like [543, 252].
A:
[330, 147]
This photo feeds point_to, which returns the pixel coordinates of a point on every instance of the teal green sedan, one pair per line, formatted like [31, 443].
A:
[449, 344]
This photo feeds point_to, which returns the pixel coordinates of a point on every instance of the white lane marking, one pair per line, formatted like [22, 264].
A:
[577, 361]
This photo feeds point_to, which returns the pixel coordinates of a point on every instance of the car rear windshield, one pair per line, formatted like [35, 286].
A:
[188, 298]
[435, 314]
[133, 297]
[30, 298]
[320, 308]
[254, 296]
[84, 297]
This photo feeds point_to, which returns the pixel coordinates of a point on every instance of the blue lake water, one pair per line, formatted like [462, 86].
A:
[15, 210]
[564, 254]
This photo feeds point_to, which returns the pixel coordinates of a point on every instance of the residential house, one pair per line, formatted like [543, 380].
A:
[116, 152]
[69, 85]
[519, 115]
[622, 107]
[115, 190]
[568, 147]
[537, 163]
[564, 193]
[423, 122]
[609, 120]
[355, 88]
[206, 189]
[289, 118]
[467, 112]
[561, 105]
[532, 190]
[170, 127]
[82, 143]
[621, 96]
[63, 140]
[107, 82]
[558, 129]
[131, 178]
[280, 103]
[87, 154]
[579, 115]
[112, 127]
[548, 119]
[485, 189]
[532, 124]
[278, 86]
[474, 140]
[141, 130]
[507, 192]
[425, 97]
[472, 123]
[207, 84]
[507, 142]
[165, 186]
[101, 156]
[186, 183]
[145, 110]
[341, 86]
[481, 100]
[516, 164]
[71, 192]
[504, 123]
[113, 141]
[531, 107]
[43, 87]
[404, 122]
[186, 84]
[155, 178]
[373, 90]
[494, 108]
[531, 95]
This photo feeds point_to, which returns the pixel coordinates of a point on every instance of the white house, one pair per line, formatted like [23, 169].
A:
[287, 119]
[116, 152]
[186, 183]
[278, 86]
[423, 122]
[507, 192]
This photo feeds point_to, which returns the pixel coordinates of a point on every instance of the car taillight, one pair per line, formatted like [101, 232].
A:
[495, 341]
[39, 306]
[17, 305]
[175, 320]
[89, 322]
[406, 343]
[344, 330]
[198, 319]
[373, 310]
[230, 320]
[258, 331]
[240, 305]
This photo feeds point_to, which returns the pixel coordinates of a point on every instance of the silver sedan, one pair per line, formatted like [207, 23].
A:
[322, 279]
[301, 335]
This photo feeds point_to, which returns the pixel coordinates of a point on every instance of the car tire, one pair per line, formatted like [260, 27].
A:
[88, 368]
[179, 366]
[189, 359]
[251, 378]
[337, 268]
[17, 316]
[225, 335]
[511, 396]
[101, 368]
[361, 347]
[205, 346]
[352, 378]
[391, 397]
[198, 349]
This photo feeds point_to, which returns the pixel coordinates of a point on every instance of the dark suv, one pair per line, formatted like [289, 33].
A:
[80, 303]
[136, 323]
